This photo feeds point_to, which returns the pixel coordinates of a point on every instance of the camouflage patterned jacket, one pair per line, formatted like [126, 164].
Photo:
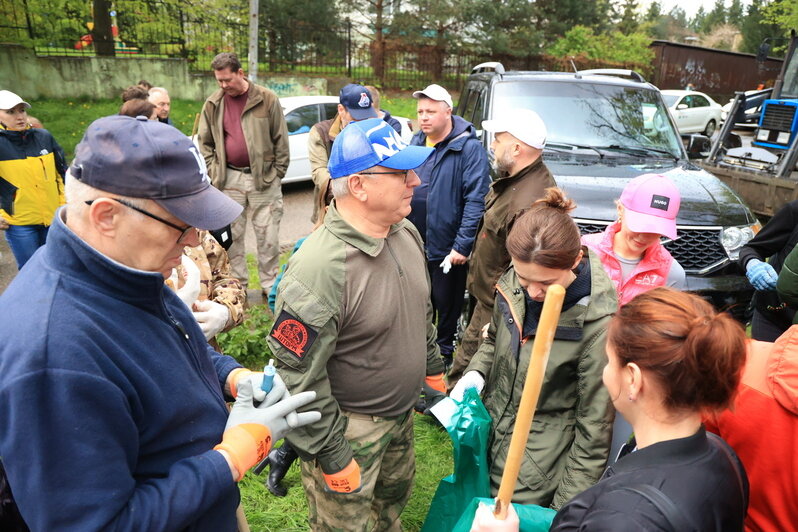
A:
[216, 281]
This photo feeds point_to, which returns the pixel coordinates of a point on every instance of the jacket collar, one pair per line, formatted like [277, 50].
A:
[67, 253]
[334, 222]
[664, 453]
[653, 257]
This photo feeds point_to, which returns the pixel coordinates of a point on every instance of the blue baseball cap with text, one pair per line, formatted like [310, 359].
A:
[147, 159]
[373, 142]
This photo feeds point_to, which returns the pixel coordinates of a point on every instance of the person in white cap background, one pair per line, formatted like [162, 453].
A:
[100, 357]
[521, 179]
[354, 323]
[32, 167]
[448, 204]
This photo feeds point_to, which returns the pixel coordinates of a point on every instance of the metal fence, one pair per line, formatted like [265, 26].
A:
[159, 29]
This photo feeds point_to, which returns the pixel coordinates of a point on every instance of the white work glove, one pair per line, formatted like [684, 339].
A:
[211, 316]
[190, 291]
[446, 265]
[245, 439]
[472, 379]
[485, 521]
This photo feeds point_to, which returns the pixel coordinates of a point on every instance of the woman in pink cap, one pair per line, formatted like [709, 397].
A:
[633, 256]
[630, 249]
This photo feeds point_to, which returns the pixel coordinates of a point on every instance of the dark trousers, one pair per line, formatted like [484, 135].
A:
[448, 290]
[763, 329]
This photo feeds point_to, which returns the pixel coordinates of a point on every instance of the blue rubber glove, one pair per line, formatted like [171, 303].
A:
[761, 275]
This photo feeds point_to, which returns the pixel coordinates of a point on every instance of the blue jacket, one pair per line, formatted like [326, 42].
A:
[457, 176]
[110, 399]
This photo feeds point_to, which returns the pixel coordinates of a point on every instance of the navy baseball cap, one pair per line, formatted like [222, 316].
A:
[147, 159]
[373, 142]
[357, 100]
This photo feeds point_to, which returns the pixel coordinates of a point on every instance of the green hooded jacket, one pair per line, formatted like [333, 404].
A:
[569, 441]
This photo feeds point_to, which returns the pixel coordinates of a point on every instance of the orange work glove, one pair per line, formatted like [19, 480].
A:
[436, 382]
[346, 480]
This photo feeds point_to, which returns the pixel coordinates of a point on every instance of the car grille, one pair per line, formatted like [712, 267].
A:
[695, 249]
[778, 117]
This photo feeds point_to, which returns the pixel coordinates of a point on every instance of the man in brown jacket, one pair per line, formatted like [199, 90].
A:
[244, 140]
[519, 138]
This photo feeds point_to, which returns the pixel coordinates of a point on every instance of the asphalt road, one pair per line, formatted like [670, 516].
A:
[297, 208]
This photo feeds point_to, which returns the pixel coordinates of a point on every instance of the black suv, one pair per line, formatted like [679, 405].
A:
[606, 127]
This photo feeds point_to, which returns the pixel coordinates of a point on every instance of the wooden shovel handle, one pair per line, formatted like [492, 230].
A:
[544, 337]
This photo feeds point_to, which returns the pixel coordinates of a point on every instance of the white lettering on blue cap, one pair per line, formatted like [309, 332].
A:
[203, 169]
[390, 145]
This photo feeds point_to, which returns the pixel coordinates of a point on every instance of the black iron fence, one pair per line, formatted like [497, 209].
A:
[171, 29]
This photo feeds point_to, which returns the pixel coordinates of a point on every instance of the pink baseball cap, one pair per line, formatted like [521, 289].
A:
[651, 203]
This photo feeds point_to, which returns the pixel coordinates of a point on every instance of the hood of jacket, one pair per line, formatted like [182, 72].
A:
[782, 370]
[462, 130]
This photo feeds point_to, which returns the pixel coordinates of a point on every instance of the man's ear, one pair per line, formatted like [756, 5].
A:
[104, 216]
[357, 186]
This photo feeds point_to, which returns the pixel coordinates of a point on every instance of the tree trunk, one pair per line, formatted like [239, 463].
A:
[378, 50]
[101, 32]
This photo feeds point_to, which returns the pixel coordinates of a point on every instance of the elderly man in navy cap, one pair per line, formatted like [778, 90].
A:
[354, 324]
[112, 403]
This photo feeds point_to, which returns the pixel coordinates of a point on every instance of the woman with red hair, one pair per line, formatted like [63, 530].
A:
[672, 357]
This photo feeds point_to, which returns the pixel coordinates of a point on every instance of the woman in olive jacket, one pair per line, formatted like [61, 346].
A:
[569, 440]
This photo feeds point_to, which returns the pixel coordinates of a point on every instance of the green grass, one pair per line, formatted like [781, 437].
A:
[266, 512]
[68, 119]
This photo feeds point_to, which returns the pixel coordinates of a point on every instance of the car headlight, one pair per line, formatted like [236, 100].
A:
[734, 238]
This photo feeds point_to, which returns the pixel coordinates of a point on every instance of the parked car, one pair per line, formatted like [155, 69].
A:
[606, 127]
[693, 112]
[301, 114]
[751, 108]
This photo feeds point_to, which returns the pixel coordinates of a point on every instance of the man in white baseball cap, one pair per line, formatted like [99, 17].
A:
[521, 178]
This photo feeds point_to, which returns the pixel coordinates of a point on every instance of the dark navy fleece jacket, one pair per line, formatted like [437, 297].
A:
[110, 399]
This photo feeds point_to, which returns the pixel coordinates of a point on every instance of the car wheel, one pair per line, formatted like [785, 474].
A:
[710, 129]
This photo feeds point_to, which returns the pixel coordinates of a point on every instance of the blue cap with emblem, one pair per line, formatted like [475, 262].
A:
[357, 100]
[142, 158]
[373, 142]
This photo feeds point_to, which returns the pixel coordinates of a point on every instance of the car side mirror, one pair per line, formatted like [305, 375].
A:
[733, 140]
[697, 146]
[681, 106]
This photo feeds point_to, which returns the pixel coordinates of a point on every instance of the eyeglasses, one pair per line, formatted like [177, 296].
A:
[403, 173]
[184, 231]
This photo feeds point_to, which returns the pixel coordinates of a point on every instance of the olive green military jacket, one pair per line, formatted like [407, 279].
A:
[354, 323]
[567, 448]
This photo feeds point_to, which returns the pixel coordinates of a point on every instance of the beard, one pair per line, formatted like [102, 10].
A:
[503, 164]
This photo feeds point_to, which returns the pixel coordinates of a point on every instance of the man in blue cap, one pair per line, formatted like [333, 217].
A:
[354, 324]
[111, 400]
[354, 104]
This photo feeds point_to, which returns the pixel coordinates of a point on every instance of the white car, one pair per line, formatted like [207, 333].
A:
[301, 113]
[693, 112]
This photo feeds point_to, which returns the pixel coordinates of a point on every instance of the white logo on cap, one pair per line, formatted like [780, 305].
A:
[364, 100]
[392, 144]
[203, 169]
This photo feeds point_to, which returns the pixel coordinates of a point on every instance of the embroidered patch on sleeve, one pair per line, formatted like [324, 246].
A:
[292, 334]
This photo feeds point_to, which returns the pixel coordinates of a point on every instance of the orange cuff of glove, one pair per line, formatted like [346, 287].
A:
[346, 480]
[236, 376]
[247, 445]
[436, 382]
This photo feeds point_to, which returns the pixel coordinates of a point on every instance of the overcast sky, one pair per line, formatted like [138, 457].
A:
[689, 6]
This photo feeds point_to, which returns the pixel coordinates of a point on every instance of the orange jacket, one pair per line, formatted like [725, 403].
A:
[762, 428]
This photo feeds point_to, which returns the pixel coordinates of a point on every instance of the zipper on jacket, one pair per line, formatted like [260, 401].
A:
[393, 256]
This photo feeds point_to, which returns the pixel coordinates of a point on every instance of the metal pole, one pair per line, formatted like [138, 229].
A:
[253, 40]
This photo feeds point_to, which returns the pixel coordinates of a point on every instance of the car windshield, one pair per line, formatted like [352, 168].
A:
[670, 99]
[593, 114]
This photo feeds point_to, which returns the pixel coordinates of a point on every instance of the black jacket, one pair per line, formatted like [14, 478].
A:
[696, 475]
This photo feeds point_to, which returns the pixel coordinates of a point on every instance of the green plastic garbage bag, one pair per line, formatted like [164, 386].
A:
[533, 518]
[468, 424]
